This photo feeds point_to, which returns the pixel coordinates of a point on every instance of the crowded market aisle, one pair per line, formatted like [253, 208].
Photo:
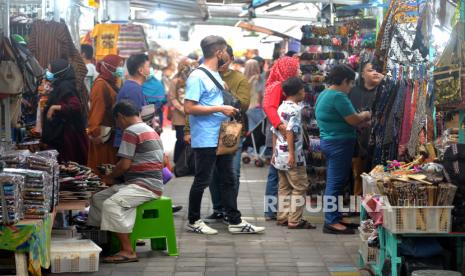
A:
[277, 252]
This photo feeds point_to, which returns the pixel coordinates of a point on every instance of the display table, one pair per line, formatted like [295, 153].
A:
[30, 240]
[389, 243]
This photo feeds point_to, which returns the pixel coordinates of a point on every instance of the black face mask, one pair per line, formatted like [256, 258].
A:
[221, 62]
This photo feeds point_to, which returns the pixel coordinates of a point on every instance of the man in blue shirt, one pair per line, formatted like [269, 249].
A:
[139, 70]
[204, 104]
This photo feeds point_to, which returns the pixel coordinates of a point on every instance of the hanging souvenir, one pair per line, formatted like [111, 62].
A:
[449, 73]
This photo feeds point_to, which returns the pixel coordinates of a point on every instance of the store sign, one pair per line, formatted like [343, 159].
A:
[94, 3]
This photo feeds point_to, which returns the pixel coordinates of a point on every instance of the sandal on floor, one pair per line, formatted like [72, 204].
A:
[303, 224]
[327, 229]
[119, 259]
[282, 223]
[350, 224]
[270, 218]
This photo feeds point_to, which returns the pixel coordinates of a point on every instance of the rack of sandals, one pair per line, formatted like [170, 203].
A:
[345, 42]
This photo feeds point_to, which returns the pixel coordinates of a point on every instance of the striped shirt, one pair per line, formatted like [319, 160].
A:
[142, 145]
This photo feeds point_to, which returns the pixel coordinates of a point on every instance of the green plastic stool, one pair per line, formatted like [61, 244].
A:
[154, 221]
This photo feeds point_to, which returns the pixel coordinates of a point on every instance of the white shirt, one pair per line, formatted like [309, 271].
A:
[290, 114]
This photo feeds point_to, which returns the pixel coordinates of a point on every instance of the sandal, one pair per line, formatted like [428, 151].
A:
[350, 224]
[282, 223]
[327, 229]
[303, 224]
[119, 259]
[270, 218]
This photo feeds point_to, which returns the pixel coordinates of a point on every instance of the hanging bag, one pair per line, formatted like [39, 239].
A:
[230, 131]
[11, 79]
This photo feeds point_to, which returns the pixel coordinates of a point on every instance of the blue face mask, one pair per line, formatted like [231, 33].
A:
[53, 76]
[119, 72]
[49, 76]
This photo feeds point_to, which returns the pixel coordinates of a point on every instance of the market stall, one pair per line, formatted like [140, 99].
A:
[412, 209]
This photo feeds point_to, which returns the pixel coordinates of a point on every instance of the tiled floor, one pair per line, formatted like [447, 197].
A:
[277, 252]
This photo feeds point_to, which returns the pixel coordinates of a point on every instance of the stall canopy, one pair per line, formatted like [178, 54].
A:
[228, 12]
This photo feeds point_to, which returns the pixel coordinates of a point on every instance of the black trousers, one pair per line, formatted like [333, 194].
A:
[206, 161]
[180, 144]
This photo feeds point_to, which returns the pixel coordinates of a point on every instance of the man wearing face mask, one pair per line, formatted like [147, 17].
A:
[139, 70]
[362, 97]
[155, 93]
[239, 87]
[204, 103]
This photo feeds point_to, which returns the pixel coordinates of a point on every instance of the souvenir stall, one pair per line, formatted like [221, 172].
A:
[34, 188]
[345, 42]
[412, 209]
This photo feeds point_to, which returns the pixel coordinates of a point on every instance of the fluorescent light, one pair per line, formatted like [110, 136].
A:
[160, 15]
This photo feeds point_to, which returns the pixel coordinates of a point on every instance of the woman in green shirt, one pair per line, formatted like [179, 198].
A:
[338, 120]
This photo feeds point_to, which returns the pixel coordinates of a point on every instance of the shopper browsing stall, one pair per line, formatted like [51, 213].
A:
[363, 96]
[101, 123]
[204, 104]
[252, 72]
[338, 121]
[176, 97]
[64, 121]
[139, 70]
[288, 158]
[282, 70]
[141, 164]
[87, 54]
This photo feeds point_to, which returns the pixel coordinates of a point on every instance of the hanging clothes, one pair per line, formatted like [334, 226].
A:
[106, 40]
[131, 40]
[50, 41]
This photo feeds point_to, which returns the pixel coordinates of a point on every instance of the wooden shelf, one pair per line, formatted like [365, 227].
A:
[77, 205]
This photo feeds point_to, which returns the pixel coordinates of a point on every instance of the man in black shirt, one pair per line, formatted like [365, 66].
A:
[363, 97]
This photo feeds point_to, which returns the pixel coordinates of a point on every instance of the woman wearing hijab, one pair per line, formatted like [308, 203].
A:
[283, 69]
[64, 122]
[252, 72]
[102, 99]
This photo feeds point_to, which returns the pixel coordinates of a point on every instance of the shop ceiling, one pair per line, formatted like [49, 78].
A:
[229, 12]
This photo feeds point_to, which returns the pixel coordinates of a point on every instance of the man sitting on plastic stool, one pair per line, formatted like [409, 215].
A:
[141, 164]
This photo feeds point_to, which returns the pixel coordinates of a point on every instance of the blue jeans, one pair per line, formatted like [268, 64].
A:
[338, 155]
[214, 187]
[271, 193]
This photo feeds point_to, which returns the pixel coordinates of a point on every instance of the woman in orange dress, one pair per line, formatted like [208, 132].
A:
[102, 99]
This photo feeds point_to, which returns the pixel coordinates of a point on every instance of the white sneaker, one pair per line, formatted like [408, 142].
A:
[245, 228]
[200, 227]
